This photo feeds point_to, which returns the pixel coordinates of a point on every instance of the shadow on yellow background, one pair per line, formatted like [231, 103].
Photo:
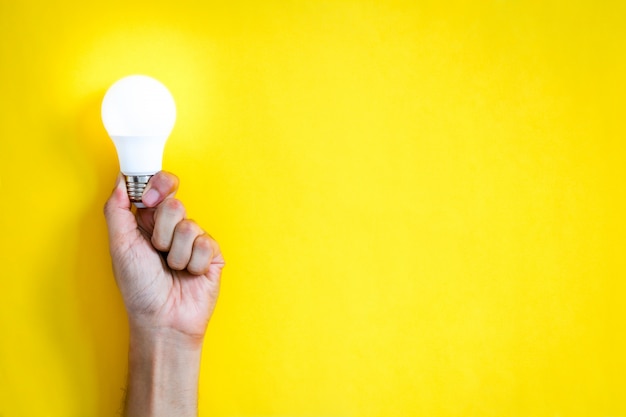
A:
[421, 204]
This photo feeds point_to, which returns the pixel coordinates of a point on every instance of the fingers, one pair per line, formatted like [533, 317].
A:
[187, 246]
[161, 186]
[201, 255]
[180, 253]
[166, 217]
[192, 249]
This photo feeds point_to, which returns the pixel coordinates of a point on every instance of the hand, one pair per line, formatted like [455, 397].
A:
[168, 271]
[167, 268]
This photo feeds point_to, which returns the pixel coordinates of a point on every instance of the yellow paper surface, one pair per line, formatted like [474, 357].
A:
[421, 203]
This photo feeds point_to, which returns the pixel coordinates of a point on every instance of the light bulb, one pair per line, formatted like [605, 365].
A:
[138, 113]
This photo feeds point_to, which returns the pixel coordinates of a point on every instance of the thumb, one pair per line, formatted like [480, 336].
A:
[120, 220]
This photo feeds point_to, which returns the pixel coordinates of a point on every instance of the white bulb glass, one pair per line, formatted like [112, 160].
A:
[138, 113]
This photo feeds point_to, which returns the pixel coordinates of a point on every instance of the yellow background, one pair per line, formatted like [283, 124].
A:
[421, 203]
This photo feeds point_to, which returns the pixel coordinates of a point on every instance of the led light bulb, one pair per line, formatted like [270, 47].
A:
[138, 113]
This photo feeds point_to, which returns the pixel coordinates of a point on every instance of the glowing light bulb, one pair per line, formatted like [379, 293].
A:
[138, 113]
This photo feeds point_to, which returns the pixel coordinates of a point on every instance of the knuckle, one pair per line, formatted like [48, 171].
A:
[203, 244]
[169, 209]
[186, 227]
[173, 205]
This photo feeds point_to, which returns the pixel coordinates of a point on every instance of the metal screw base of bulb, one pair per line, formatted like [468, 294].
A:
[135, 184]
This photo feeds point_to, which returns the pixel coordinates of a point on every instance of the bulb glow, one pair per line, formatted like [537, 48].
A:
[138, 113]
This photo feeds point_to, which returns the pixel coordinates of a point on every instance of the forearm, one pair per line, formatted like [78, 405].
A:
[163, 374]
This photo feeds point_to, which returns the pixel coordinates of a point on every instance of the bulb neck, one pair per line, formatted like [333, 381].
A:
[136, 184]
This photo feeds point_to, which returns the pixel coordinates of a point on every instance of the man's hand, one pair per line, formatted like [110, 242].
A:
[168, 271]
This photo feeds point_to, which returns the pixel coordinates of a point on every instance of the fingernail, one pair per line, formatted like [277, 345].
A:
[150, 197]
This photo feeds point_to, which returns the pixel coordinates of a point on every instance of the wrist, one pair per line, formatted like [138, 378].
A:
[149, 334]
[164, 367]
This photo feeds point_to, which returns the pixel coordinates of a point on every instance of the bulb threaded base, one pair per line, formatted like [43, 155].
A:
[135, 184]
